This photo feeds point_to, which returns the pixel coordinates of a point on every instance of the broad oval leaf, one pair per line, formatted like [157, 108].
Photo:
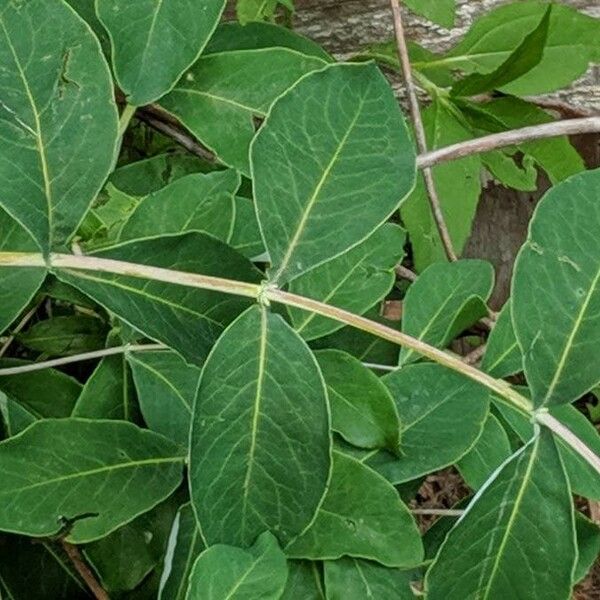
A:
[198, 202]
[185, 544]
[221, 111]
[230, 573]
[15, 416]
[89, 477]
[437, 405]
[445, 300]
[189, 320]
[349, 167]
[355, 579]
[362, 516]
[517, 538]
[354, 281]
[363, 411]
[154, 41]
[556, 292]
[260, 454]
[166, 387]
[17, 285]
[59, 121]
[304, 581]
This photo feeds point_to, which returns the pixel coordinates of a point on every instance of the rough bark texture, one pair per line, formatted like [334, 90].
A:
[500, 227]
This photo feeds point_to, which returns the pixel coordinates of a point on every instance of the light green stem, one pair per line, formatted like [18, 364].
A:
[125, 118]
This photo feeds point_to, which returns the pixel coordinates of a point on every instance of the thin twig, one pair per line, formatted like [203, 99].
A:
[67, 360]
[509, 138]
[442, 512]
[415, 111]
[474, 357]
[17, 329]
[84, 571]
[406, 273]
[377, 367]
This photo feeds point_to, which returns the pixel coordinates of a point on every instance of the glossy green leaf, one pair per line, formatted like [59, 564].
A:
[503, 355]
[445, 300]
[439, 11]
[354, 579]
[199, 202]
[166, 388]
[153, 42]
[489, 452]
[185, 544]
[87, 477]
[354, 281]
[556, 292]
[501, 547]
[362, 516]
[108, 393]
[226, 572]
[588, 545]
[220, 111]
[17, 286]
[45, 393]
[252, 36]
[260, 442]
[15, 416]
[571, 45]
[363, 411]
[304, 581]
[59, 122]
[246, 237]
[189, 320]
[63, 336]
[257, 10]
[525, 57]
[48, 574]
[437, 405]
[125, 557]
[443, 127]
[349, 167]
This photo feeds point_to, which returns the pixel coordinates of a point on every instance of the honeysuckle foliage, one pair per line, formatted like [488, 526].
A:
[228, 435]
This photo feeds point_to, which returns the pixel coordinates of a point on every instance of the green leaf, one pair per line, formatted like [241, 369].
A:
[443, 126]
[185, 544]
[503, 355]
[88, 476]
[445, 300]
[49, 572]
[437, 405]
[58, 125]
[362, 516]
[15, 416]
[45, 393]
[257, 10]
[185, 319]
[246, 237]
[63, 336]
[525, 57]
[350, 166]
[504, 168]
[125, 557]
[221, 111]
[304, 581]
[166, 388]
[260, 443]
[107, 394]
[588, 545]
[252, 36]
[488, 453]
[154, 42]
[500, 548]
[439, 11]
[354, 281]
[572, 43]
[225, 572]
[352, 579]
[17, 286]
[199, 202]
[362, 410]
[556, 292]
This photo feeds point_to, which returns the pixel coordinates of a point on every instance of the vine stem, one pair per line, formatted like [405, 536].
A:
[84, 571]
[125, 118]
[269, 293]
[415, 112]
[20, 326]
